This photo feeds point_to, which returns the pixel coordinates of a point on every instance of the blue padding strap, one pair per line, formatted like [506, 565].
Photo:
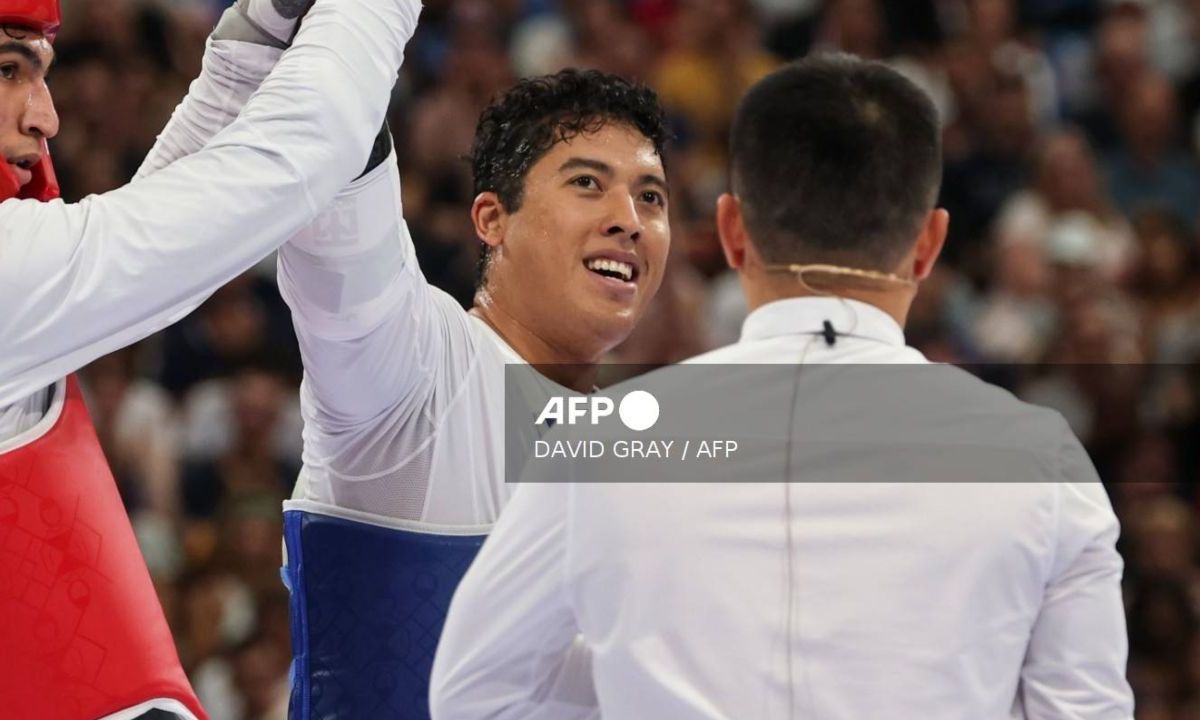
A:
[367, 608]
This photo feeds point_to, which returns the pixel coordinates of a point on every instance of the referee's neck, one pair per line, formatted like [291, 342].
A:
[895, 301]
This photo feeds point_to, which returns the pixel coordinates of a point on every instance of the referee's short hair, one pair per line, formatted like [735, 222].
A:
[836, 159]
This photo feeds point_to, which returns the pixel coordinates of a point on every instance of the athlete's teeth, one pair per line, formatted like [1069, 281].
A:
[625, 270]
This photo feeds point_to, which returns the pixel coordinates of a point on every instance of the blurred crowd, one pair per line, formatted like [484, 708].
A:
[1072, 274]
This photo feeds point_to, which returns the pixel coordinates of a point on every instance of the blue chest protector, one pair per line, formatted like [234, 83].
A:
[368, 604]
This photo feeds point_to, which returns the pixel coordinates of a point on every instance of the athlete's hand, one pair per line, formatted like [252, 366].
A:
[278, 18]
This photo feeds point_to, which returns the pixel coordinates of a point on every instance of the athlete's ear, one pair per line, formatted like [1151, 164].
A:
[490, 218]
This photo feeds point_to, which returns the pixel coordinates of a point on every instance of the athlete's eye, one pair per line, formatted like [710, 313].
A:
[654, 197]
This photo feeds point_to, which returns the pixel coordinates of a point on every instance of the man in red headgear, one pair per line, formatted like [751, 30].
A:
[27, 27]
[82, 636]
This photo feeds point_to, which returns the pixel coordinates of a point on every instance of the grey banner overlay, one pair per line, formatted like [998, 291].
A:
[785, 423]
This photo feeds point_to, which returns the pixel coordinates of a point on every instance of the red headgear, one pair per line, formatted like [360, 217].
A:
[41, 15]
[44, 17]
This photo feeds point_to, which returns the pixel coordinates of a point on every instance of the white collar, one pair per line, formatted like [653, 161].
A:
[807, 315]
[511, 356]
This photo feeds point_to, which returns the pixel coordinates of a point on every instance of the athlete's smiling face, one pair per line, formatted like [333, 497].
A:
[27, 114]
[584, 254]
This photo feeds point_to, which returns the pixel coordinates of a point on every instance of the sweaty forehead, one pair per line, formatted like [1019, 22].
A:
[14, 38]
[620, 146]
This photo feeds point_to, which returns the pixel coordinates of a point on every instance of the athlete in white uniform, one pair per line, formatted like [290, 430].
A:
[404, 392]
[82, 635]
[80, 280]
[403, 389]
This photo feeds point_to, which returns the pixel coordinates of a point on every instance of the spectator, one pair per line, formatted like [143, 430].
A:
[138, 429]
[251, 466]
[243, 322]
[1166, 280]
[999, 143]
[1066, 180]
[714, 55]
[1151, 169]
[261, 675]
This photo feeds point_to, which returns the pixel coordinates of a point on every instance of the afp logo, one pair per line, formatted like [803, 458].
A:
[638, 410]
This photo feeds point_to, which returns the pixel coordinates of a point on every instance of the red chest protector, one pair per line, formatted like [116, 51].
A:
[82, 635]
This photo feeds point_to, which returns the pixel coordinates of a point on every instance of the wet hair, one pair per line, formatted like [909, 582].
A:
[520, 126]
[836, 159]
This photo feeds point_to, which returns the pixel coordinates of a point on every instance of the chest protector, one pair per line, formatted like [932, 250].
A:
[82, 635]
[369, 597]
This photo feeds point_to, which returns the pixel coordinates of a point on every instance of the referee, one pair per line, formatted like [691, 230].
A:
[904, 540]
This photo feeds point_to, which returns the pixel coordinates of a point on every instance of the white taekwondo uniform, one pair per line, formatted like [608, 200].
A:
[80, 280]
[403, 392]
[403, 401]
[989, 595]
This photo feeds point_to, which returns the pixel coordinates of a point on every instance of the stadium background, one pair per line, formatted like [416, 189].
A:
[1072, 129]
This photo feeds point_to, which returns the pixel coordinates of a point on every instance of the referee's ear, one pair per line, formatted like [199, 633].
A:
[731, 229]
[930, 243]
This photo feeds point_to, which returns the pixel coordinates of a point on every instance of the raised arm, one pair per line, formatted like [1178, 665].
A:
[237, 59]
[373, 333]
[364, 351]
[78, 281]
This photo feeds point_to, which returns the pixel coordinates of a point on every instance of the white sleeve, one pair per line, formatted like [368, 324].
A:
[231, 72]
[509, 649]
[372, 331]
[1075, 666]
[79, 281]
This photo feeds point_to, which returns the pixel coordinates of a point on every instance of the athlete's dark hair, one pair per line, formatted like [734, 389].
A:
[524, 123]
[836, 159]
